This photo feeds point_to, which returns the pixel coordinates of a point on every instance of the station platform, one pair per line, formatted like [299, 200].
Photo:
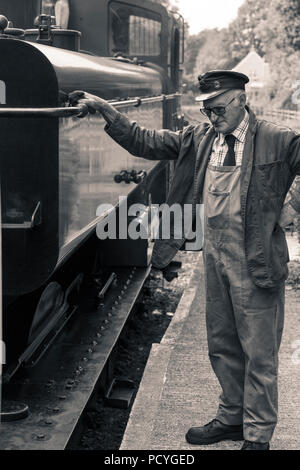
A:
[180, 390]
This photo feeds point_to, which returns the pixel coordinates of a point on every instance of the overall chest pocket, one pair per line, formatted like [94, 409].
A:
[271, 178]
[217, 209]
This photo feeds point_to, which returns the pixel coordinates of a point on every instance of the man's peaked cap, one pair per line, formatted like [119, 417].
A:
[215, 82]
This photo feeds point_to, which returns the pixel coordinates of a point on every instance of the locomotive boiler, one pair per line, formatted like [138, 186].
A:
[57, 168]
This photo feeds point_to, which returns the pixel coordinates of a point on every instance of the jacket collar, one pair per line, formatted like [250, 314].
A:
[202, 157]
[252, 121]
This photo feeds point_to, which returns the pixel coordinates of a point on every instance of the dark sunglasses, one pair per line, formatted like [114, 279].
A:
[217, 110]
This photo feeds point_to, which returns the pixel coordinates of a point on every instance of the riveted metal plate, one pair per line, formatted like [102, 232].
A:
[60, 386]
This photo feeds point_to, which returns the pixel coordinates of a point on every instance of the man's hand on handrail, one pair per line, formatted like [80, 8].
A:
[93, 104]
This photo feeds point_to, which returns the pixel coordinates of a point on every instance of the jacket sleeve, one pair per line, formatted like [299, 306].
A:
[294, 164]
[140, 142]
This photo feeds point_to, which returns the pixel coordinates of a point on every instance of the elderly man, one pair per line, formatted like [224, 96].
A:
[241, 169]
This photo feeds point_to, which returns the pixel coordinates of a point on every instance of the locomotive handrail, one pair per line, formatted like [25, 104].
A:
[43, 112]
[139, 101]
[77, 110]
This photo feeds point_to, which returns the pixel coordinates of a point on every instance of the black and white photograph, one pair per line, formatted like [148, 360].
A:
[150, 228]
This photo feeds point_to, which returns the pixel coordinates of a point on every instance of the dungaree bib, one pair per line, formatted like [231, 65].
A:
[244, 321]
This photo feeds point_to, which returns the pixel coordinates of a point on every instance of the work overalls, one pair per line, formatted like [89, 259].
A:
[244, 321]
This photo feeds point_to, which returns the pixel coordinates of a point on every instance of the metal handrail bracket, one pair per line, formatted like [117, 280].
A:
[141, 101]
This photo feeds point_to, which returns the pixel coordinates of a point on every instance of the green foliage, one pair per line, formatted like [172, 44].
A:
[243, 33]
[192, 46]
[212, 53]
[289, 11]
[272, 28]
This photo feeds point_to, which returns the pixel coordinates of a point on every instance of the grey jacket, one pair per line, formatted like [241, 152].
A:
[271, 160]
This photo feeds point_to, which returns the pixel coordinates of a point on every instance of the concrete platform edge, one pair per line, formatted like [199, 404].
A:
[143, 413]
[184, 305]
[139, 427]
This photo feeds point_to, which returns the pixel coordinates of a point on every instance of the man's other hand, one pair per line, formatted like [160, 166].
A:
[287, 215]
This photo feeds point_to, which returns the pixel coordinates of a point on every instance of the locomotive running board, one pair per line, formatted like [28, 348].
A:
[60, 386]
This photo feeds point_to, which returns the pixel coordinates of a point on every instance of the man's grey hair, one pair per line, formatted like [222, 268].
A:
[236, 93]
[233, 93]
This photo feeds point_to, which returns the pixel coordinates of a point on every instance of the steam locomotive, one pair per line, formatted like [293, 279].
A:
[58, 168]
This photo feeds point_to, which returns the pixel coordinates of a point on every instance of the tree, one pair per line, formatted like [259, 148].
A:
[192, 46]
[248, 30]
[212, 54]
[281, 45]
[289, 26]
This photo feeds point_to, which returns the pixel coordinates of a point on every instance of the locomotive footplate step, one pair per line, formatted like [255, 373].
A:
[59, 387]
[13, 411]
[120, 393]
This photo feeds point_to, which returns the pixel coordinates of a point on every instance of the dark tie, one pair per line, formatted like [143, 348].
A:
[230, 155]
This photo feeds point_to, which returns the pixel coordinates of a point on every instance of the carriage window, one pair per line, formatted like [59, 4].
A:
[134, 31]
[144, 36]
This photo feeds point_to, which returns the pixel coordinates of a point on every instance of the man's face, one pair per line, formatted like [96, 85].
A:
[234, 113]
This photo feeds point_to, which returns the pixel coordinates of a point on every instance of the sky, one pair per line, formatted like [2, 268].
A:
[202, 14]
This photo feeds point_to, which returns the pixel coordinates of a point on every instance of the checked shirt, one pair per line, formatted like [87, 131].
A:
[220, 147]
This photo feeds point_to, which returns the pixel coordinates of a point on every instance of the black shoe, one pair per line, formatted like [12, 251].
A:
[249, 445]
[214, 431]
